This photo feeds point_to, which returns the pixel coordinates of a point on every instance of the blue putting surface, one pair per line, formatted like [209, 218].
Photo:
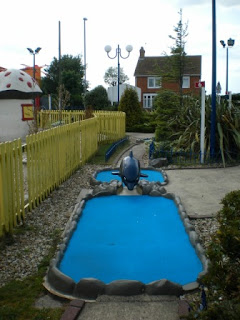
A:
[130, 237]
[106, 176]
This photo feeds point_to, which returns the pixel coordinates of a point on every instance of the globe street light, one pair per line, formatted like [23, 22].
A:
[118, 55]
[230, 43]
[34, 53]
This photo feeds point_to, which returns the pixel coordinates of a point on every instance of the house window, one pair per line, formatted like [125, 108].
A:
[186, 82]
[154, 82]
[148, 100]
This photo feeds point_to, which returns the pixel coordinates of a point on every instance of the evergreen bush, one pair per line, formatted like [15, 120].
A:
[131, 106]
[223, 277]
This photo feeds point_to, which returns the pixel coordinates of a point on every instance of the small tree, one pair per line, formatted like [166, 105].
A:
[174, 68]
[97, 98]
[166, 104]
[111, 76]
[72, 73]
[130, 105]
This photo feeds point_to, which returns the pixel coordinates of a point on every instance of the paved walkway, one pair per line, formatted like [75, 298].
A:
[132, 308]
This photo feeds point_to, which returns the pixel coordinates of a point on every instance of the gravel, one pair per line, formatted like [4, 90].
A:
[31, 242]
[22, 253]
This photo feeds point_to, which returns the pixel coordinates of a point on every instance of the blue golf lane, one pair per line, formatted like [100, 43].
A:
[106, 176]
[130, 237]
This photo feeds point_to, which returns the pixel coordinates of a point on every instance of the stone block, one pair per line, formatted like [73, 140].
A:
[125, 288]
[164, 287]
[60, 282]
[89, 288]
[158, 162]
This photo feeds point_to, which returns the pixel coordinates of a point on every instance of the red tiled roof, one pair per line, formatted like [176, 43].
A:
[147, 66]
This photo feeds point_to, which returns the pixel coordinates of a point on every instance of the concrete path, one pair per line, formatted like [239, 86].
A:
[132, 308]
[201, 190]
[138, 147]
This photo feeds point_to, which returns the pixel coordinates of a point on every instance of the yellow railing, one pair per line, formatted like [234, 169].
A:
[52, 156]
[111, 124]
[11, 185]
[49, 117]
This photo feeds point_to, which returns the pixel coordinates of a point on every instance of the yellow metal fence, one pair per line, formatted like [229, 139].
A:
[52, 157]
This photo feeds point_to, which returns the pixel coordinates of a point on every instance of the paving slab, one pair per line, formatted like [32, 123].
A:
[132, 308]
[201, 190]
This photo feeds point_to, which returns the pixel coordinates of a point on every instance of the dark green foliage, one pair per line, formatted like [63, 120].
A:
[130, 105]
[148, 123]
[224, 251]
[98, 99]
[72, 73]
[223, 278]
[166, 104]
[180, 125]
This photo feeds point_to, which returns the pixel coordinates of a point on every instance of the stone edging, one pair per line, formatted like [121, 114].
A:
[95, 182]
[89, 288]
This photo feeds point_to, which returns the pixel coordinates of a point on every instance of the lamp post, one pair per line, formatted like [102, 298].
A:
[230, 43]
[118, 55]
[214, 64]
[85, 63]
[34, 52]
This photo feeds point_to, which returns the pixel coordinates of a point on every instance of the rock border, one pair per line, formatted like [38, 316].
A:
[95, 182]
[90, 288]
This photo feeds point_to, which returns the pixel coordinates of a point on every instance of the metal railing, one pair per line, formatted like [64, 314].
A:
[183, 158]
[114, 147]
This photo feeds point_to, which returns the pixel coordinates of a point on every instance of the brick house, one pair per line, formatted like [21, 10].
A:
[148, 80]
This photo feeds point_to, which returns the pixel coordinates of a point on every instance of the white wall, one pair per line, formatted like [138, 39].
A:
[11, 124]
[113, 92]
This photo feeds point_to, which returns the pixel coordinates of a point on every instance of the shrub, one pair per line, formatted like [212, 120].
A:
[223, 277]
[97, 98]
[166, 104]
[130, 105]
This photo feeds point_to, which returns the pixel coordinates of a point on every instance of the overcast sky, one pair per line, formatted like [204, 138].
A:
[140, 23]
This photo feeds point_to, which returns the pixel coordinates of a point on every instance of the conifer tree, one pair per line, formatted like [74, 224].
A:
[130, 105]
[174, 68]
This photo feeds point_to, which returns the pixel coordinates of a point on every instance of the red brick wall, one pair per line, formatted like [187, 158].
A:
[141, 82]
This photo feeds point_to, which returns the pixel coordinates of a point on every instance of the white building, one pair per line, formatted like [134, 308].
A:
[113, 92]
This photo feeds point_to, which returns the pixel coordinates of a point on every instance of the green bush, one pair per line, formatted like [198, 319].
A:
[98, 98]
[223, 277]
[180, 124]
[166, 104]
[130, 105]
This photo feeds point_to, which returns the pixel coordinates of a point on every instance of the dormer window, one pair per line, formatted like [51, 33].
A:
[154, 82]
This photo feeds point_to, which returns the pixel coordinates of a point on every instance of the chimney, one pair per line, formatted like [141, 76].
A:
[142, 53]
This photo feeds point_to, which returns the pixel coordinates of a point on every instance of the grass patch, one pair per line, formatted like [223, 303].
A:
[17, 297]
[99, 157]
